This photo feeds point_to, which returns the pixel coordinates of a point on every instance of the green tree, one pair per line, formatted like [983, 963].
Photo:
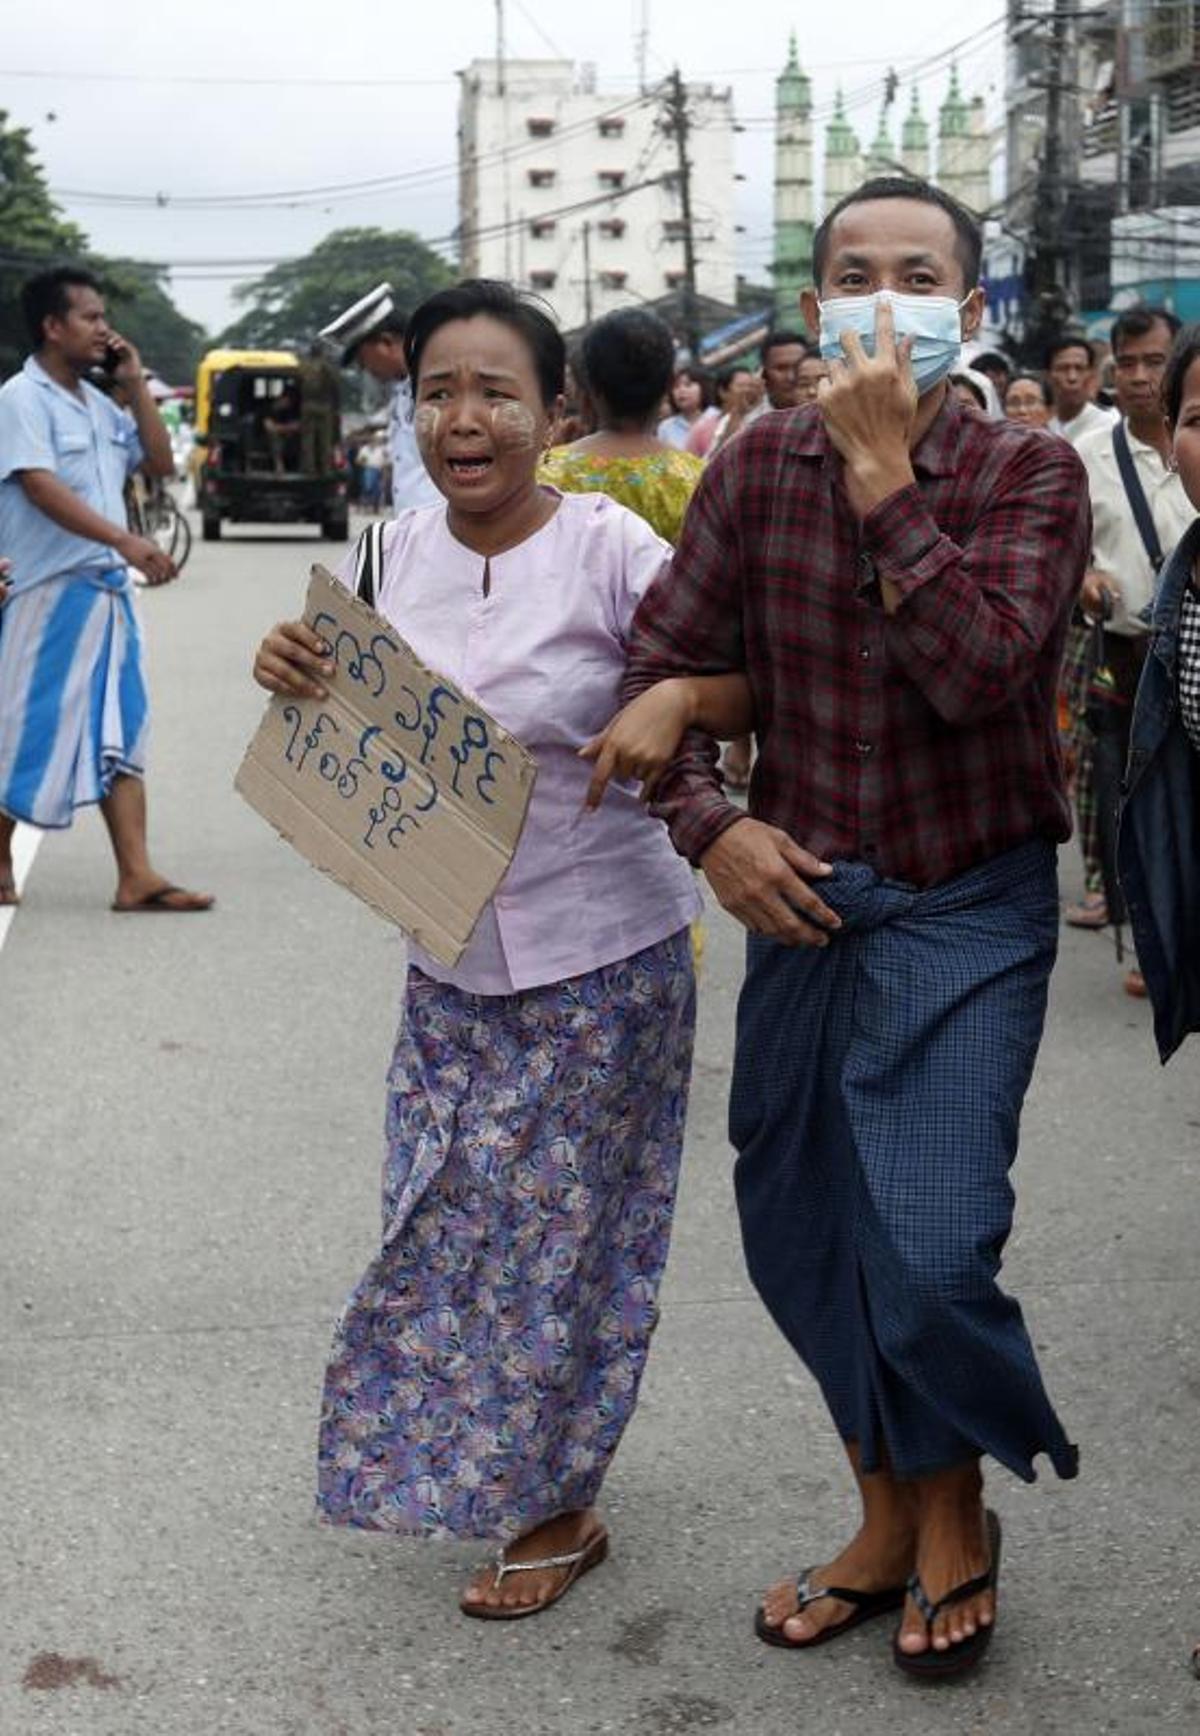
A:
[33, 234]
[291, 303]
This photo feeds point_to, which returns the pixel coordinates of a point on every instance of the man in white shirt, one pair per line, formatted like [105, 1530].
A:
[1120, 582]
[1071, 368]
[371, 333]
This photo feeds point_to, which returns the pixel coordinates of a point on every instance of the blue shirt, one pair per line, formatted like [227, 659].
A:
[87, 443]
[412, 484]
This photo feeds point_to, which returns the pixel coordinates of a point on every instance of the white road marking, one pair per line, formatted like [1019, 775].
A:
[26, 840]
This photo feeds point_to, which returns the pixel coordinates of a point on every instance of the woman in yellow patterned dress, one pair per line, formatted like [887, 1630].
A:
[628, 359]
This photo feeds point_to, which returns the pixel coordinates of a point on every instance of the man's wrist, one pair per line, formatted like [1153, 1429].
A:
[875, 478]
[727, 825]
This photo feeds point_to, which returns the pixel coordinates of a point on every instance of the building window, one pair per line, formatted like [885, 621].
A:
[1183, 103]
[674, 229]
[542, 279]
[541, 177]
[613, 279]
[542, 228]
[611, 177]
[611, 127]
[539, 126]
[612, 228]
[1101, 132]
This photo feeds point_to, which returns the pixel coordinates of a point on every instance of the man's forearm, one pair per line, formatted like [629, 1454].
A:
[152, 432]
[50, 495]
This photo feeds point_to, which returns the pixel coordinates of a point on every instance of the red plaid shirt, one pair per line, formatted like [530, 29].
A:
[921, 742]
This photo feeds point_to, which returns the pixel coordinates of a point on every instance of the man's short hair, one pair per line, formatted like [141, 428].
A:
[1070, 341]
[48, 296]
[778, 340]
[1138, 322]
[968, 237]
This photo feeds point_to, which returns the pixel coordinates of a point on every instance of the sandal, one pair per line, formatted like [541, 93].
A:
[579, 1562]
[936, 1666]
[167, 900]
[1091, 912]
[867, 1605]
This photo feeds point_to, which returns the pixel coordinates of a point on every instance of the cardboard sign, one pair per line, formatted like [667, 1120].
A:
[398, 785]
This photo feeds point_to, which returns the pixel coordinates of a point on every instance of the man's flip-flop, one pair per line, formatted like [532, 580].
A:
[573, 1567]
[1090, 912]
[933, 1666]
[866, 1606]
[159, 902]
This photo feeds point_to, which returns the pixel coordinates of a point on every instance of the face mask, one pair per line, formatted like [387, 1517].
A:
[931, 321]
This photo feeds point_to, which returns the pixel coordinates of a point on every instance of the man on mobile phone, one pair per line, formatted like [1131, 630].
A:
[73, 702]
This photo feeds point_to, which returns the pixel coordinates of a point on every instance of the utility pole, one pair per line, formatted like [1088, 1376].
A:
[641, 44]
[1047, 267]
[678, 124]
[502, 93]
[587, 272]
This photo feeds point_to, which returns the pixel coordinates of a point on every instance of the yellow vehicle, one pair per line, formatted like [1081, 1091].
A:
[250, 463]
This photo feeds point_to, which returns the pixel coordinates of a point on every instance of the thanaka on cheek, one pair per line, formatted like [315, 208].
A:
[514, 425]
[425, 425]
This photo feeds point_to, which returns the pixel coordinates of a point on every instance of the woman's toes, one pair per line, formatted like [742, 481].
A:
[799, 1628]
[913, 1638]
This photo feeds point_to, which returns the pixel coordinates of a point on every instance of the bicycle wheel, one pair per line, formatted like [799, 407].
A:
[181, 540]
[158, 521]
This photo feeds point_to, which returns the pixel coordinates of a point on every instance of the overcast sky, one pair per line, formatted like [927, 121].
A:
[156, 100]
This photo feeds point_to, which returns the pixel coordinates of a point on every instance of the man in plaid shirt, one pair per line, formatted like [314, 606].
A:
[892, 573]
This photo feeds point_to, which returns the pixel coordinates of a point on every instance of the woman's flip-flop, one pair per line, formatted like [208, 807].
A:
[866, 1606]
[573, 1566]
[933, 1666]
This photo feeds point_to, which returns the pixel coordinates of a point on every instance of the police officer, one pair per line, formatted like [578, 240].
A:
[371, 333]
[320, 403]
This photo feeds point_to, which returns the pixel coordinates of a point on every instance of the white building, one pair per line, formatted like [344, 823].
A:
[576, 195]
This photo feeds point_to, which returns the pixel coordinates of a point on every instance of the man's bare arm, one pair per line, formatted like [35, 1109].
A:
[159, 460]
[52, 496]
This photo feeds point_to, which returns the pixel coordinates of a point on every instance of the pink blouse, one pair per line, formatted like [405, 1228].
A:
[544, 652]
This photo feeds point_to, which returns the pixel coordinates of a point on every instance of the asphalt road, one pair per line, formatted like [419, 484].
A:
[189, 1156]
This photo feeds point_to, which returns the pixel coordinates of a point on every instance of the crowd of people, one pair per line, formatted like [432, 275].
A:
[907, 581]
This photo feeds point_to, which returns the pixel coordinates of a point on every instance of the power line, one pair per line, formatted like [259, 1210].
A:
[299, 81]
[406, 179]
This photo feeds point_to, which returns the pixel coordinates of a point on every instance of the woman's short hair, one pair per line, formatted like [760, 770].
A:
[1033, 379]
[702, 377]
[526, 315]
[1185, 351]
[628, 361]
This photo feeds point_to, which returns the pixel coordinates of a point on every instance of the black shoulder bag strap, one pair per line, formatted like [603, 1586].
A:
[368, 562]
[1136, 496]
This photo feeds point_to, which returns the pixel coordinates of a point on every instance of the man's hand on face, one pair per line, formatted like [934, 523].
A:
[128, 371]
[870, 404]
[761, 876]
